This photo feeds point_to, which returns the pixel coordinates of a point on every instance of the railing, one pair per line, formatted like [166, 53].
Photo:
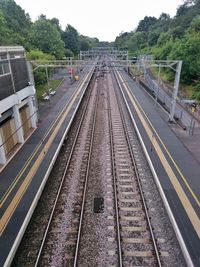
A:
[187, 121]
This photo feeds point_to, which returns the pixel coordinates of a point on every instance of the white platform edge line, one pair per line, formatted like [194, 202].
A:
[162, 194]
[27, 219]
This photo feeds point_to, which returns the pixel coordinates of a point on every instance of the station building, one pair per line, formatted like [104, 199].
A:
[18, 109]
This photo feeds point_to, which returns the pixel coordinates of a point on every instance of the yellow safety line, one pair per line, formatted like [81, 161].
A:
[17, 178]
[22, 189]
[168, 153]
[179, 190]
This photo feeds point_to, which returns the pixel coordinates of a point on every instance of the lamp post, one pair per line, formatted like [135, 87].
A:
[47, 77]
[158, 83]
[175, 91]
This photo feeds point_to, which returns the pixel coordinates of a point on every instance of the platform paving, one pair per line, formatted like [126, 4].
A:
[183, 151]
[48, 112]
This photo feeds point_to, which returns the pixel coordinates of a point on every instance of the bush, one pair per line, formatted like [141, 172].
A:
[196, 93]
[38, 55]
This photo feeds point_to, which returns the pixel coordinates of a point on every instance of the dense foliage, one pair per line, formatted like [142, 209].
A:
[170, 38]
[44, 39]
[40, 74]
[15, 24]
[44, 34]
[163, 37]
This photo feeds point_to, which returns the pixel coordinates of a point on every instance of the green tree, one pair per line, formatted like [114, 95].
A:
[188, 50]
[153, 37]
[68, 53]
[46, 37]
[146, 24]
[177, 32]
[175, 38]
[121, 40]
[137, 41]
[182, 10]
[56, 23]
[15, 16]
[71, 39]
[163, 52]
[195, 25]
[40, 73]
[38, 55]
[87, 43]
[84, 45]
[196, 93]
[164, 17]
[3, 30]
[15, 25]
[164, 38]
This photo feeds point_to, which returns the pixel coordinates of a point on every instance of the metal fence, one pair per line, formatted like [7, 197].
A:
[186, 120]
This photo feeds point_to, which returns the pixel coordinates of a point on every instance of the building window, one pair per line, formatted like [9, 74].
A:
[3, 56]
[4, 68]
[1, 69]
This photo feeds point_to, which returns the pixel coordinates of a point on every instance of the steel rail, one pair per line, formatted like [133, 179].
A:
[42, 141]
[114, 183]
[138, 178]
[86, 180]
[62, 181]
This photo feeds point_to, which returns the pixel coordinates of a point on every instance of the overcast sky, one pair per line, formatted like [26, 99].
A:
[103, 19]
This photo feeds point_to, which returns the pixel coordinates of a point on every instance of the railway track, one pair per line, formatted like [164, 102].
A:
[135, 238]
[70, 199]
[100, 216]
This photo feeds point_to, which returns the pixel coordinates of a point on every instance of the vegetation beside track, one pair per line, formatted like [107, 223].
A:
[176, 38]
[43, 88]
[46, 35]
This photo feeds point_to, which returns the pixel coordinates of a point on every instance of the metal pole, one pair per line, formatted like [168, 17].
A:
[71, 68]
[158, 78]
[158, 82]
[47, 77]
[127, 60]
[193, 126]
[190, 127]
[181, 116]
[175, 91]
[157, 92]
[11, 72]
[138, 65]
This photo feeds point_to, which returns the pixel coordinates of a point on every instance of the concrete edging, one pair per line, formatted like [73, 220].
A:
[162, 194]
[22, 230]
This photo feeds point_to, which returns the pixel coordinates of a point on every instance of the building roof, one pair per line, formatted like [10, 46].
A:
[11, 49]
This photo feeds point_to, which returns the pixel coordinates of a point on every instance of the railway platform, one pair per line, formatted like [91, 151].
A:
[177, 168]
[23, 179]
